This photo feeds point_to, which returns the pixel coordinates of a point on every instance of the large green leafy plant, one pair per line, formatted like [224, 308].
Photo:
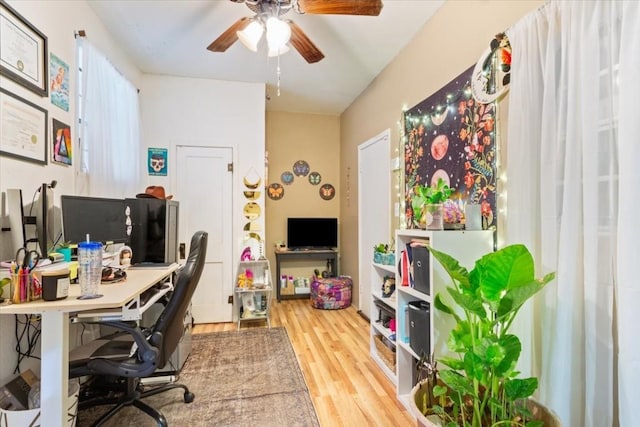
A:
[481, 387]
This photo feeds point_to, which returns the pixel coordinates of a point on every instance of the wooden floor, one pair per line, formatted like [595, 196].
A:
[332, 346]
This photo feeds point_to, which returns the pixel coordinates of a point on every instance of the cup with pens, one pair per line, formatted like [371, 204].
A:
[25, 285]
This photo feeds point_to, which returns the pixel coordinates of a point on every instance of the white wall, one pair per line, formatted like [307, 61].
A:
[57, 20]
[199, 112]
[174, 111]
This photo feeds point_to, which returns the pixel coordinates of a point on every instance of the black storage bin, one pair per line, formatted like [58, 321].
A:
[419, 327]
[421, 270]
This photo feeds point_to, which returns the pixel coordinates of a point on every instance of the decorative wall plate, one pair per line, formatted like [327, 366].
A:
[315, 178]
[492, 74]
[301, 168]
[251, 194]
[286, 178]
[252, 179]
[252, 211]
[252, 185]
[275, 191]
[252, 226]
[327, 192]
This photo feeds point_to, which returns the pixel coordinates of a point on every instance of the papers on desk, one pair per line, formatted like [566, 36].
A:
[42, 263]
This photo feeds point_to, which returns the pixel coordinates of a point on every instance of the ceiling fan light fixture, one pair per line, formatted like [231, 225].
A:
[278, 34]
[250, 36]
[275, 52]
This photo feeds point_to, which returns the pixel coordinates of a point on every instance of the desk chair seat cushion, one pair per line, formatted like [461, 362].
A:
[124, 353]
[117, 346]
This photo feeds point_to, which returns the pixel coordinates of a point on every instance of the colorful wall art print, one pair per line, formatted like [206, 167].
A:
[157, 161]
[62, 143]
[451, 136]
[59, 84]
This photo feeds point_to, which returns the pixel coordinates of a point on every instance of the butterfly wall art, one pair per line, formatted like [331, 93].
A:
[275, 191]
[300, 169]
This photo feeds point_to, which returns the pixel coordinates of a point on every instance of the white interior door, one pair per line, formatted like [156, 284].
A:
[374, 201]
[204, 189]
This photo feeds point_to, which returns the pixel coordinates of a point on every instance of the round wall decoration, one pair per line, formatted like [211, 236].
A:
[286, 178]
[252, 179]
[251, 194]
[315, 178]
[275, 191]
[252, 211]
[252, 226]
[492, 74]
[327, 192]
[251, 185]
[301, 168]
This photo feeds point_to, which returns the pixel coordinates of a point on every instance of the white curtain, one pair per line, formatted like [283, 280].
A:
[572, 148]
[109, 128]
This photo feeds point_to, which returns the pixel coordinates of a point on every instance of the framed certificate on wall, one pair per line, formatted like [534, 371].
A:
[23, 51]
[23, 128]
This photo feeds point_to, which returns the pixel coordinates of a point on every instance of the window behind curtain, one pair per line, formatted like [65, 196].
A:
[108, 127]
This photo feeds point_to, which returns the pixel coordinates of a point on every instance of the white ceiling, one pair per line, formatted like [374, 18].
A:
[171, 37]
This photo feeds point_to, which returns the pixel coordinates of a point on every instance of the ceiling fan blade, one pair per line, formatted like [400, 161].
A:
[229, 37]
[303, 44]
[341, 7]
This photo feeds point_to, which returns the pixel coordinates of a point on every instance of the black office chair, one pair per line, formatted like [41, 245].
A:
[113, 356]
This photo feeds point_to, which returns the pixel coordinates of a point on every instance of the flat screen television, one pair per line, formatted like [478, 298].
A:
[104, 220]
[312, 233]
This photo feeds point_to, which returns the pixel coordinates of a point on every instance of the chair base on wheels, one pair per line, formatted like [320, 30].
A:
[130, 393]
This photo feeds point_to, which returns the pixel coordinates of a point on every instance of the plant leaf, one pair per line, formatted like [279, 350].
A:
[514, 298]
[440, 305]
[520, 388]
[460, 337]
[510, 267]
[455, 364]
[494, 354]
[457, 382]
[457, 272]
[473, 366]
[439, 390]
[468, 302]
[512, 348]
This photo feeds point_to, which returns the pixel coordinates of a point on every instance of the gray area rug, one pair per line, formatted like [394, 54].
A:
[246, 378]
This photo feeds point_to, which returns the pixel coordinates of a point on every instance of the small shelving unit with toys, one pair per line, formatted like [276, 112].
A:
[252, 293]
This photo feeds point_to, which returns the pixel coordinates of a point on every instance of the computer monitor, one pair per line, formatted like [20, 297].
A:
[44, 218]
[15, 211]
[102, 219]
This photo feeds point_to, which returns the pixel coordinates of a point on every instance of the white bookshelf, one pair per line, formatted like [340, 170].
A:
[467, 247]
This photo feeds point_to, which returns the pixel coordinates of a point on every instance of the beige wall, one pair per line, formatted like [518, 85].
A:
[450, 42]
[315, 139]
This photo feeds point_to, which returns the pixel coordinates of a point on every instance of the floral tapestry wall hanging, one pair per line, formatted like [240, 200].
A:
[451, 136]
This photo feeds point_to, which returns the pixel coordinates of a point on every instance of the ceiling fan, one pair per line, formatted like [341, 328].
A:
[268, 14]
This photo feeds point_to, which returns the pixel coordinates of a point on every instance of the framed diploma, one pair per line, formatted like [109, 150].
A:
[23, 129]
[23, 51]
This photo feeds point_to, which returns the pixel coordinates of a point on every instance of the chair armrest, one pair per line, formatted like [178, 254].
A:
[145, 361]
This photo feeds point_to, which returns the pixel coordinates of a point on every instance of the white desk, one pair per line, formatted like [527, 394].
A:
[55, 332]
